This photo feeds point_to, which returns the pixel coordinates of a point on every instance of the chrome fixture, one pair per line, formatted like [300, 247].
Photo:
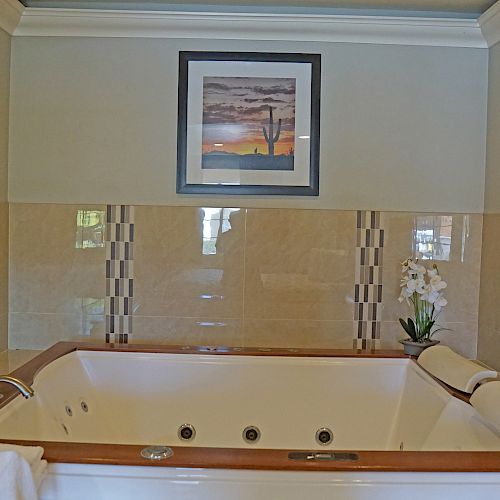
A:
[24, 389]
[251, 434]
[157, 452]
[186, 432]
[313, 455]
[324, 436]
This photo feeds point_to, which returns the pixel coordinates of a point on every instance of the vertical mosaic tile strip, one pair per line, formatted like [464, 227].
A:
[368, 280]
[119, 272]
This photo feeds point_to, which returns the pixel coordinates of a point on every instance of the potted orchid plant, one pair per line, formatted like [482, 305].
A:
[422, 289]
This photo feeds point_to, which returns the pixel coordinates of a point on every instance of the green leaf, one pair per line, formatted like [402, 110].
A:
[410, 330]
[413, 329]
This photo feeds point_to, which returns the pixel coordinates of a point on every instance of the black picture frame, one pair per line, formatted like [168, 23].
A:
[311, 152]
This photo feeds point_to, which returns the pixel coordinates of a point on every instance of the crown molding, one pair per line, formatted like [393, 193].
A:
[489, 23]
[11, 12]
[230, 26]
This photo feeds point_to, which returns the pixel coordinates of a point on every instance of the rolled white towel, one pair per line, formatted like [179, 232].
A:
[16, 478]
[32, 454]
[453, 369]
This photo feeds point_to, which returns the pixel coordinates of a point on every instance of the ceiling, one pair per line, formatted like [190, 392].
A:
[449, 8]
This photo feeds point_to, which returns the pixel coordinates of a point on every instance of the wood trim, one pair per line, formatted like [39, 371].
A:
[260, 459]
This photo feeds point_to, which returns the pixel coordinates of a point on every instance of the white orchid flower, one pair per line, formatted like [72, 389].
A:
[421, 286]
[404, 280]
[412, 285]
[433, 272]
[421, 289]
[432, 297]
[437, 283]
[440, 303]
[412, 264]
[405, 295]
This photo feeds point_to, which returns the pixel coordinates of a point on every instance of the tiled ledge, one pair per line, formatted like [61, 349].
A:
[12, 359]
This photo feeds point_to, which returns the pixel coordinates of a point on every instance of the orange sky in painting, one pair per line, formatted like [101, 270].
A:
[235, 109]
[249, 145]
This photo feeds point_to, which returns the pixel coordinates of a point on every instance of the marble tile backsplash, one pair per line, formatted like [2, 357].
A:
[489, 319]
[231, 276]
[4, 274]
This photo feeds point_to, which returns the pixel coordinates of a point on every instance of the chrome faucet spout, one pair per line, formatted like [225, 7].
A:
[23, 388]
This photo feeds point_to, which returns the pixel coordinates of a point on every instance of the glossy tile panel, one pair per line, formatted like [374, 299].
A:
[188, 262]
[4, 274]
[187, 331]
[299, 264]
[56, 287]
[236, 277]
[12, 359]
[39, 330]
[489, 308]
[291, 333]
[453, 243]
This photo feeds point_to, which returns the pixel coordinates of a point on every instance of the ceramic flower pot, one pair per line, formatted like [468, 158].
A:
[415, 348]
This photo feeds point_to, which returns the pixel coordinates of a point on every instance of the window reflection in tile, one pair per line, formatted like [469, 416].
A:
[432, 236]
[92, 314]
[90, 228]
[441, 237]
[216, 221]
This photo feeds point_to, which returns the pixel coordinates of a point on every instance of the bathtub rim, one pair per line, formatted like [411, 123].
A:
[243, 458]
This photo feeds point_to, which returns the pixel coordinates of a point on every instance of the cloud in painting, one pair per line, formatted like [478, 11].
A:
[235, 109]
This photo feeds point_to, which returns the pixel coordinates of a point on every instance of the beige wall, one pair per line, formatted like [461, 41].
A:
[492, 177]
[4, 211]
[95, 121]
[489, 312]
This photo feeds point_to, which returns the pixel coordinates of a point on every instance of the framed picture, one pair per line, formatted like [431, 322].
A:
[248, 123]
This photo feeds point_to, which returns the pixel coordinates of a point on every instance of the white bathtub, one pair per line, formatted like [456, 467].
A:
[374, 407]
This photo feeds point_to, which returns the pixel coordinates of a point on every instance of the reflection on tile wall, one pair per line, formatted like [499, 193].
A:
[489, 311]
[4, 270]
[56, 287]
[223, 276]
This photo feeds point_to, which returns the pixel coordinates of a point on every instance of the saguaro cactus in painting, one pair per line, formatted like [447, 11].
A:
[270, 137]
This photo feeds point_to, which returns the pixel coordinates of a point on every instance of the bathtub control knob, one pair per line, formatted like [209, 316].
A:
[251, 434]
[186, 432]
[324, 436]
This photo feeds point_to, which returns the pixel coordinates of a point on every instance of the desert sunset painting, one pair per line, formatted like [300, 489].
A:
[248, 123]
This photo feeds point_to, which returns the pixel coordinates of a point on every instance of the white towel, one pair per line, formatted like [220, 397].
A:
[16, 478]
[32, 454]
[38, 472]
